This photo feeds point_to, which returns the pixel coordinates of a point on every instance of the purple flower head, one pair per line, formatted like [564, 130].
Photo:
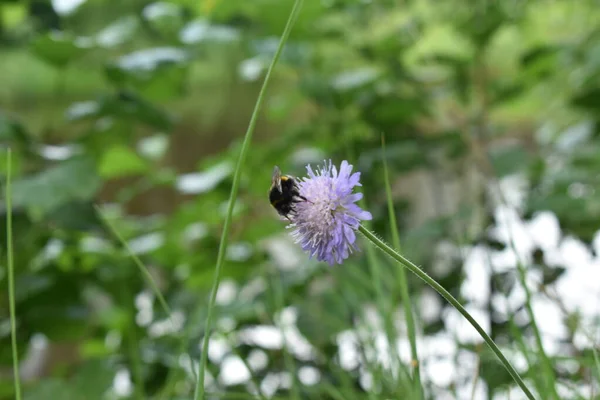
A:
[324, 225]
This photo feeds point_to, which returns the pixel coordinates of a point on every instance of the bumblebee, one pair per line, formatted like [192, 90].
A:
[284, 193]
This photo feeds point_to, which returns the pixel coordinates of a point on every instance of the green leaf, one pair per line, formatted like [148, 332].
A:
[157, 73]
[128, 106]
[75, 179]
[119, 161]
[160, 83]
[124, 106]
[58, 49]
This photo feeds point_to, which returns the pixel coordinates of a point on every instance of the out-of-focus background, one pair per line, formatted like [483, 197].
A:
[490, 111]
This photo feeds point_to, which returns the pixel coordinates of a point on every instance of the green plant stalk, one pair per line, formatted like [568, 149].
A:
[375, 268]
[11, 279]
[476, 378]
[455, 303]
[518, 335]
[546, 364]
[402, 280]
[547, 368]
[373, 367]
[333, 391]
[390, 331]
[133, 345]
[344, 385]
[596, 362]
[199, 392]
[367, 341]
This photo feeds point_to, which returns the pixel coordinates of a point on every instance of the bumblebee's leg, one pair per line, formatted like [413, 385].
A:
[299, 196]
[305, 199]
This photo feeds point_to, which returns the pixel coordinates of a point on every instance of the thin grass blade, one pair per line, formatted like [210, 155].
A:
[199, 392]
[402, 280]
[11, 278]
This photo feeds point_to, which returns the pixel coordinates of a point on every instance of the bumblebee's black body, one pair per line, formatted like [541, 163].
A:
[284, 193]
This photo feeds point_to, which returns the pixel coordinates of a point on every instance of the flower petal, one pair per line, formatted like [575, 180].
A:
[325, 226]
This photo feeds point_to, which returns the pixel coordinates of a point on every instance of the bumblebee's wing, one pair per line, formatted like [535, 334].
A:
[276, 178]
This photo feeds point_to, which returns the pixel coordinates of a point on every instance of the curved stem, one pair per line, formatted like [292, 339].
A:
[455, 303]
[11, 279]
[199, 392]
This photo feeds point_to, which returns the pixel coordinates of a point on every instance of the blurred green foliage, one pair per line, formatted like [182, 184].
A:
[140, 106]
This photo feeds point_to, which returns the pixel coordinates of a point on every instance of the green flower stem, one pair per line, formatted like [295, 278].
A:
[455, 303]
[199, 392]
[133, 345]
[11, 279]
[404, 292]
[518, 335]
[546, 363]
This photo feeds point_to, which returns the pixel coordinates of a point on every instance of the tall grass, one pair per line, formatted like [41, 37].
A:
[519, 339]
[133, 344]
[455, 303]
[11, 278]
[199, 392]
[596, 370]
[404, 384]
[549, 387]
[404, 291]
[387, 315]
